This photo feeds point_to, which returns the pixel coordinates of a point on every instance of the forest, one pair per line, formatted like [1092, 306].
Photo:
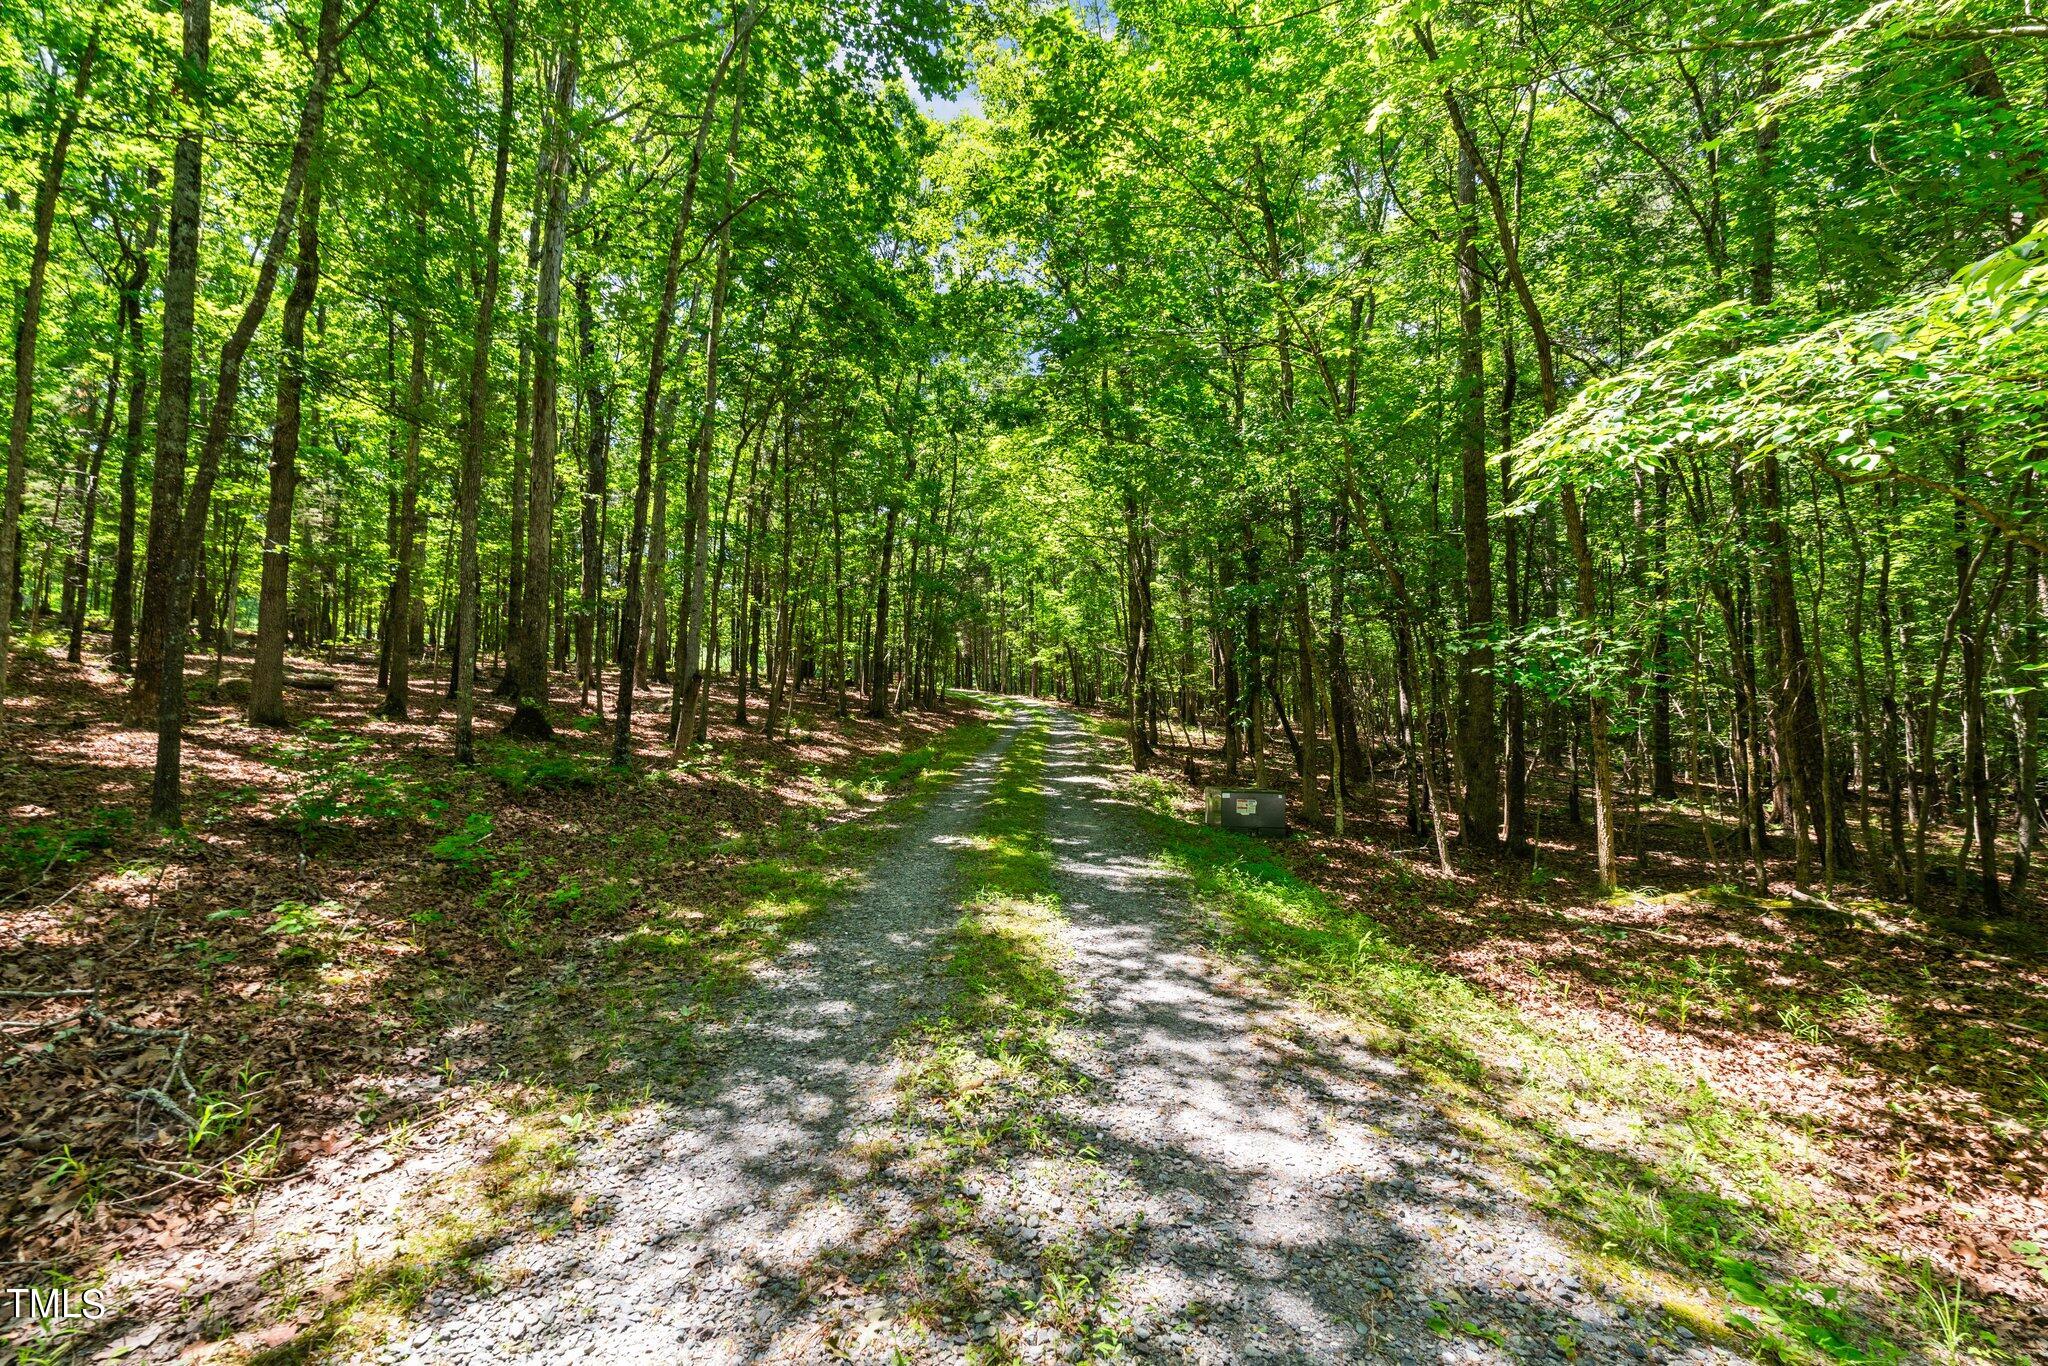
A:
[533, 529]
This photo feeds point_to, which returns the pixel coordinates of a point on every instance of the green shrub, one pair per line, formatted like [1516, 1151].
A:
[522, 772]
[33, 849]
[302, 932]
[463, 849]
[336, 786]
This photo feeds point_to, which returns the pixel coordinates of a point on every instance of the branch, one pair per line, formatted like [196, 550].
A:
[1950, 35]
[1999, 522]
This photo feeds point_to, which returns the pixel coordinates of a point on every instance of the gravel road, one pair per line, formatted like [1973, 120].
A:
[1238, 1183]
[1302, 1199]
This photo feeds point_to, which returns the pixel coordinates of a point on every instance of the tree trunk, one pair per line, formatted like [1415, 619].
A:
[86, 492]
[1575, 528]
[123, 606]
[187, 541]
[529, 659]
[1515, 793]
[22, 414]
[878, 654]
[1305, 668]
[476, 409]
[1479, 801]
[403, 619]
[590, 522]
[692, 701]
[1137, 627]
[266, 670]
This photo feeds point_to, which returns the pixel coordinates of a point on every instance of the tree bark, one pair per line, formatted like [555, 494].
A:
[186, 543]
[878, 653]
[692, 694]
[476, 408]
[397, 695]
[86, 493]
[1304, 656]
[123, 606]
[22, 415]
[590, 522]
[1582, 558]
[529, 663]
[266, 670]
[1478, 747]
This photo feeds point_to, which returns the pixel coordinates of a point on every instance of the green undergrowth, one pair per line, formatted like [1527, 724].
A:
[1671, 1187]
[990, 1054]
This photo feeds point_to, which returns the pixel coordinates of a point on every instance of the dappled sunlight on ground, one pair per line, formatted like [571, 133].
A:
[1898, 1053]
[408, 976]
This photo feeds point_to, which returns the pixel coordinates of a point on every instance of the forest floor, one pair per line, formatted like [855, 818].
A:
[944, 1037]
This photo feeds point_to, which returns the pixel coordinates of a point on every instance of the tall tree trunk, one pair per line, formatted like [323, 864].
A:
[2028, 721]
[530, 645]
[1479, 801]
[1797, 712]
[1137, 627]
[522, 447]
[839, 710]
[1305, 669]
[476, 408]
[1663, 778]
[1575, 528]
[1515, 793]
[1255, 662]
[654, 431]
[746, 623]
[1979, 816]
[22, 414]
[1226, 648]
[86, 492]
[403, 619]
[692, 692]
[174, 369]
[123, 605]
[266, 670]
[188, 540]
[590, 522]
[778, 646]
[878, 654]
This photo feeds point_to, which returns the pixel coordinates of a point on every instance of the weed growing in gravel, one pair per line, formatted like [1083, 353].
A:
[991, 1050]
[980, 1072]
[519, 1188]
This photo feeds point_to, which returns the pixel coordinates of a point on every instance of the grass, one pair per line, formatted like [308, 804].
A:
[979, 1079]
[989, 1057]
[692, 954]
[520, 1188]
[1667, 1184]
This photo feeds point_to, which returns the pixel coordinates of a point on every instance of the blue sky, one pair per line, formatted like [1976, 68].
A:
[948, 107]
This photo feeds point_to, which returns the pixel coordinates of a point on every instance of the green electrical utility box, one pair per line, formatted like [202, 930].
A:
[1253, 809]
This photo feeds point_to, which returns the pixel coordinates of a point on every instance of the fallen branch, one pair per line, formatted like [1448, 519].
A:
[218, 1171]
[152, 1094]
[49, 993]
[175, 1075]
[57, 1023]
